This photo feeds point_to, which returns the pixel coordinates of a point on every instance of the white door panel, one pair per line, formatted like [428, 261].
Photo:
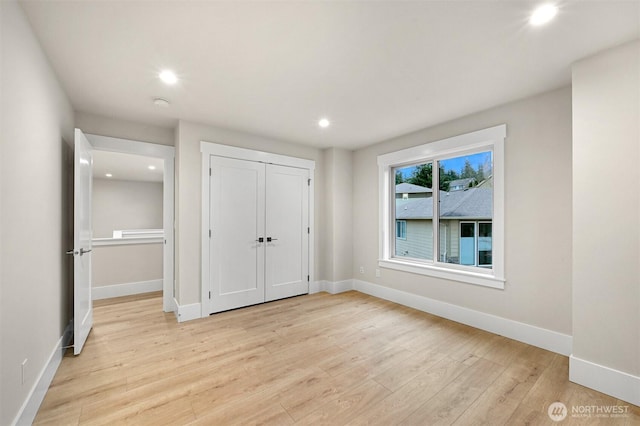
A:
[236, 223]
[287, 219]
[82, 234]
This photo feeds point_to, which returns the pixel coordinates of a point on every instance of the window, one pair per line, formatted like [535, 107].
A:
[412, 212]
[443, 203]
[401, 229]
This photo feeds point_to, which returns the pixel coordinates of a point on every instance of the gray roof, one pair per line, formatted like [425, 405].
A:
[409, 188]
[475, 203]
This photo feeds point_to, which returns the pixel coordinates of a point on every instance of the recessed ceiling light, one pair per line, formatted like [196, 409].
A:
[324, 123]
[161, 102]
[543, 14]
[152, 167]
[168, 76]
[108, 175]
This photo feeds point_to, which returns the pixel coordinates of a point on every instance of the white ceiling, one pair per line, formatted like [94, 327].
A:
[127, 167]
[376, 69]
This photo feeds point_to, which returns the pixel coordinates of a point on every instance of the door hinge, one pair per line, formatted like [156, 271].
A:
[209, 295]
[308, 230]
[209, 233]
[308, 182]
[307, 278]
[209, 171]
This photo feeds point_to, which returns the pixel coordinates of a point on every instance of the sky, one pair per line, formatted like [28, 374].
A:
[456, 163]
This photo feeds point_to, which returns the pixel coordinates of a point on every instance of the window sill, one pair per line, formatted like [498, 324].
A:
[446, 273]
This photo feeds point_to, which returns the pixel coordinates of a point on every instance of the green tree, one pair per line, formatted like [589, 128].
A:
[446, 177]
[399, 177]
[468, 171]
[480, 173]
[422, 175]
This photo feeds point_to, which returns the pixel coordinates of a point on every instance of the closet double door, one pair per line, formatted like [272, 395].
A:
[259, 232]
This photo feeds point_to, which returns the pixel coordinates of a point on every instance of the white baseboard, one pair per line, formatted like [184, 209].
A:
[532, 335]
[332, 287]
[31, 405]
[316, 287]
[187, 312]
[616, 383]
[335, 287]
[127, 289]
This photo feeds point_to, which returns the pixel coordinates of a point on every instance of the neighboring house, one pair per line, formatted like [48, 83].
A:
[465, 226]
[409, 190]
[460, 184]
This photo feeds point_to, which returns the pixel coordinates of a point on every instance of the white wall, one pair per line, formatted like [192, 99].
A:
[126, 264]
[338, 208]
[117, 128]
[606, 210]
[188, 196]
[537, 214]
[121, 204]
[36, 123]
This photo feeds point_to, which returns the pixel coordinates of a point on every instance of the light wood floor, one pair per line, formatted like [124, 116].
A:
[317, 359]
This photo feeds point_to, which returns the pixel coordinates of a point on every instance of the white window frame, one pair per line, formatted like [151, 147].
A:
[486, 139]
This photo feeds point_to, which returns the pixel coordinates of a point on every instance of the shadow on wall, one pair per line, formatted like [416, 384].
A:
[66, 229]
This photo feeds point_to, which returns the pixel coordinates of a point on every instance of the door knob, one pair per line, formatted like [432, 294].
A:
[269, 239]
[70, 252]
[260, 240]
[83, 251]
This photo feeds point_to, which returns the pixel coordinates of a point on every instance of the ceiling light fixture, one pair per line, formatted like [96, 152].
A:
[324, 123]
[543, 14]
[161, 102]
[151, 167]
[108, 175]
[168, 77]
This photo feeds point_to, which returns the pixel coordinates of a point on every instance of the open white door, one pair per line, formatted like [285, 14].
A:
[82, 233]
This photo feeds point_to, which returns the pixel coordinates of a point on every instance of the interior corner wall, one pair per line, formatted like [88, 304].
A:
[117, 128]
[606, 210]
[537, 214]
[176, 214]
[338, 214]
[189, 203]
[37, 128]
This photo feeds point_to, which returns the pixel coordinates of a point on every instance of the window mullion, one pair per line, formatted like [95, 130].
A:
[435, 221]
[476, 242]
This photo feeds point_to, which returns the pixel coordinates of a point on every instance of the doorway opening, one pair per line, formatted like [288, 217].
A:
[133, 226]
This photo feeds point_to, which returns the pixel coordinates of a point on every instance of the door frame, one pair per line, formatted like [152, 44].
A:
[208, 149]
[167, 153]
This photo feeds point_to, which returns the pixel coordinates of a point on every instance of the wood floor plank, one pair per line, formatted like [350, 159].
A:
[352, 404]
[445, 407]
[501, 399]
[413, 394]
[318, 359]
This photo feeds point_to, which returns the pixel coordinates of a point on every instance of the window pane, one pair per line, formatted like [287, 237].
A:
[401, 229]
[414, 211]
[466, 209]
[484, 244]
